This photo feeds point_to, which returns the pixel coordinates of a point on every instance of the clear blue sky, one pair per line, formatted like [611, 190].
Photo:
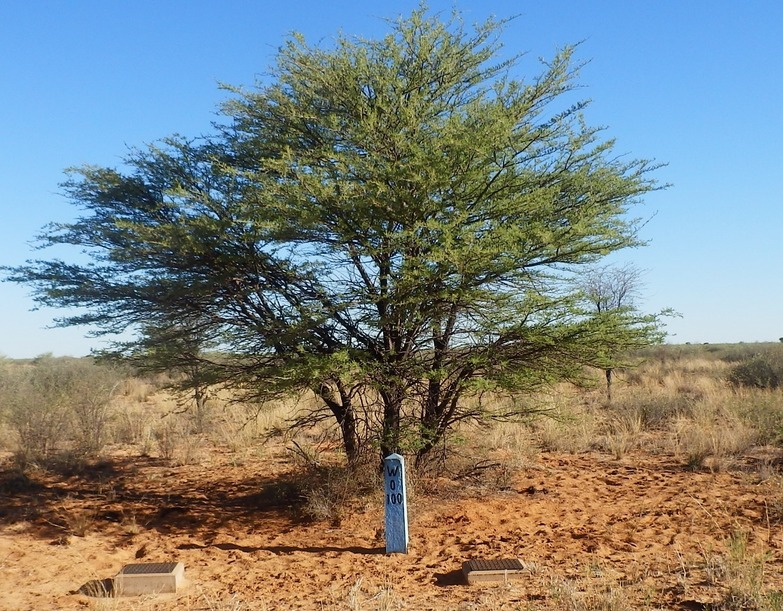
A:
[696, 84]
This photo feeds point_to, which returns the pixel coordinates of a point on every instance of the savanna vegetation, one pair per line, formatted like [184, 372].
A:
[707, 410]
[398, 225]
[706, 404]
[389, 245]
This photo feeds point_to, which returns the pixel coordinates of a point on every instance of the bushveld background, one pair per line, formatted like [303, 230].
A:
[668, 495]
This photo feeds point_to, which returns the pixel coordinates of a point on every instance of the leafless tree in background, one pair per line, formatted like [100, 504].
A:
[611, 287]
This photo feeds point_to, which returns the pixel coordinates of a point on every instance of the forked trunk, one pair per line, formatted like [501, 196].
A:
[341, 406]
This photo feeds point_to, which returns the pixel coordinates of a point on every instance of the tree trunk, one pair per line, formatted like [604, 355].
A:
[341, 406]
[200, 397]
[392, 408]
[429, 420]
[350, 437]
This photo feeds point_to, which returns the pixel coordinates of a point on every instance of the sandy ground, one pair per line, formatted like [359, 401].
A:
[641, 532]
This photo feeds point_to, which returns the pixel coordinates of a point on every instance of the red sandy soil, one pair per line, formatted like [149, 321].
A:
[642, 531]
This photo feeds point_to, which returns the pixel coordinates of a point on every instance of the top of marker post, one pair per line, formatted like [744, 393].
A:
[395, 456]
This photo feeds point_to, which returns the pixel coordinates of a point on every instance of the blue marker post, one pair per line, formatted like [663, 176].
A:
[396, 505]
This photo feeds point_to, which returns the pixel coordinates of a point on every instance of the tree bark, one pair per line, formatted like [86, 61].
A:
[392, 408]
[341, 406]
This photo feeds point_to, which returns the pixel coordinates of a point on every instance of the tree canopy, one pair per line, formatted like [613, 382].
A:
[395, 224]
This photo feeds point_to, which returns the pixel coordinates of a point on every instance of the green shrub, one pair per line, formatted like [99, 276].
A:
[55, 405]
[34, 408]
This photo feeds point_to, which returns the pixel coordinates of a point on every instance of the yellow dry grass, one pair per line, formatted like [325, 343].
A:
[676, 404]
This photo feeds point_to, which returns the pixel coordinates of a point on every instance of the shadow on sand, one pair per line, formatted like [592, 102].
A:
[285, 549]
[97, 588]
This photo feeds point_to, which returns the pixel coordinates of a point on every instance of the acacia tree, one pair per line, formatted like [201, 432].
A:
[184, 352]
[613, 291]
[390, 223]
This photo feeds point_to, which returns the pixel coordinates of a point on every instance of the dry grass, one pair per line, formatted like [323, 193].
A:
[739, 572]
[712, 437]
[589, 596]
[361, 596]
[677, 402]
[624, 434]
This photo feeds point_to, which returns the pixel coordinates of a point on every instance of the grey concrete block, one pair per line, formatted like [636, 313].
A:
[149, 578]
[482, 571]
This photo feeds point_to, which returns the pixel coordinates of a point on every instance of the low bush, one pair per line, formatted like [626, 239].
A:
[763, 370]
[57, 405]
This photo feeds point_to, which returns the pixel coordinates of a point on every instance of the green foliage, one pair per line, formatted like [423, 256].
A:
[51, 401]
[394, 224]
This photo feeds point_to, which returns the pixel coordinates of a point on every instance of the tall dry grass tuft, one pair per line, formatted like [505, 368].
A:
[714, 435]
[568, 429]
[243, 428]
[570, 436]
[487, 456]
[763, 370]
[511, 442]
[624, 434]
[133, 425]
[138, 390]
[177, 443]
[763, 410]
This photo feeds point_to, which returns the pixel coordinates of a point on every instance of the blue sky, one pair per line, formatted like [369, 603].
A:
[695, 84]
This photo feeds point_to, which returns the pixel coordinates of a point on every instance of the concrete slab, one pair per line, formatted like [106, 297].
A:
[483, 571]
[149, 578]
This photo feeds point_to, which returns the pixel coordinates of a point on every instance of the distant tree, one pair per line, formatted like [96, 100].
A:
[611, 290]
[612, 287]
[389, 223]
[181, 350]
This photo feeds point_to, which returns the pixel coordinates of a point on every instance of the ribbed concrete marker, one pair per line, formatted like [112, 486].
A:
[149, 578]
[483, 571]
[396, 505]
